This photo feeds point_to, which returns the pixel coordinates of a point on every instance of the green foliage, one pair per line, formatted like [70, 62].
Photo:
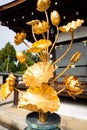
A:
[9, 62]
[8, 58]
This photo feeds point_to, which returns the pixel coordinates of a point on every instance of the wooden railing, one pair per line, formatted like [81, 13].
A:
[58, 85]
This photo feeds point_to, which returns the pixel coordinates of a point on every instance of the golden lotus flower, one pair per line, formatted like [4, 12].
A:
[40, 27]
[71, 26]
[38, 73]
[11, 80]
[5, 90]
[21, 57]
[75, 57]
[55, 18]
[73, 85]
[39, 45]
[40, 98]
[8, 87]
[43, 5]
[19, 38]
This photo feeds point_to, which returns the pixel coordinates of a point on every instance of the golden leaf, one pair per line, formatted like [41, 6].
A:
[34, 49]
[71, 26]
[42, 43]
[38, 73]
[39, 45]
[40, 98]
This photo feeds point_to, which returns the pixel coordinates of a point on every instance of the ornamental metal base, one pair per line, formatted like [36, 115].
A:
[51, 124]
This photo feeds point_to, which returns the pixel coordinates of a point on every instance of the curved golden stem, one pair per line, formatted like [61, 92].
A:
[26, 44]
[67, 51]
[33, 34]
[21, 92]
[68, 66]
[60, 91]
[48, 23]
[26, 65]
[43, 36]
[56, 38]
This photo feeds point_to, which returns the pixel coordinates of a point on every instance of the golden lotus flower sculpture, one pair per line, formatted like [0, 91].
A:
[38, 73]
[42, 98]
[40, 77]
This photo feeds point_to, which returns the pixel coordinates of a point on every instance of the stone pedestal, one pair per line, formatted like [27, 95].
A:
[51, 124]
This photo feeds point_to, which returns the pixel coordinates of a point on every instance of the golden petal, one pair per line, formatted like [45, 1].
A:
[38, 73]
[74, 94]
[5, 91]
[33, 22]
[64, 28]
[43, 97]
[11, 79]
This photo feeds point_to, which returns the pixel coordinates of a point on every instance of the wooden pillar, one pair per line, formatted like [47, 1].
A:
[16, 95]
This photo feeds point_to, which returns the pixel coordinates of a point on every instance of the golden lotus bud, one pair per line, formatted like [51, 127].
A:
[55, 18]
[43, 5]
[21, 57]
[75, 57]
